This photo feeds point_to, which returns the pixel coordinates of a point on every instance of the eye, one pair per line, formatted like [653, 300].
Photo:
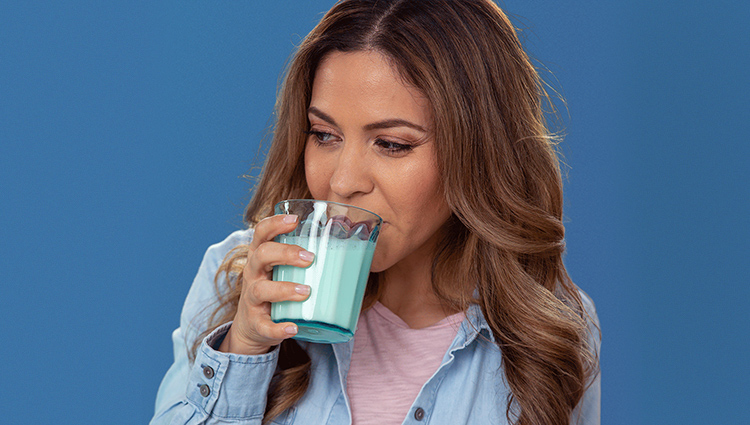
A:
[320, 137]
[393, 147]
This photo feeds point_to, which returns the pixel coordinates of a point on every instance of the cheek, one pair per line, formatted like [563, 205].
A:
[420, 209]
[315, 175]
[419, 195]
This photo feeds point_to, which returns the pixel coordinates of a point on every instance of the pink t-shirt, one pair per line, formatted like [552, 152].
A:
[391, 362]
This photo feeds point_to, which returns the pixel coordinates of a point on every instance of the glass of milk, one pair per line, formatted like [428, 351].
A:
[342, 237]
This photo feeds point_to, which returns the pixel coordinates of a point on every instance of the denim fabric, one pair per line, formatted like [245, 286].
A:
[468, 387]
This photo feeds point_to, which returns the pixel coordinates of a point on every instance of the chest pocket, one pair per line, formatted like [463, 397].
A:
[285, 418]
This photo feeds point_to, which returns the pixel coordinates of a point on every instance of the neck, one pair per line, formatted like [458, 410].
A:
[407, 290]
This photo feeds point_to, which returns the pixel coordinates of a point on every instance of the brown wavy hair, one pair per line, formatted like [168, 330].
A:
[503, 245]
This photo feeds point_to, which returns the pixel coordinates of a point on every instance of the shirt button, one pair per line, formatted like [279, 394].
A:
[205, 391]
[208, 372]
[419, 414]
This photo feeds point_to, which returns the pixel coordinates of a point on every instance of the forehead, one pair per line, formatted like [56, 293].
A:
[367, 81]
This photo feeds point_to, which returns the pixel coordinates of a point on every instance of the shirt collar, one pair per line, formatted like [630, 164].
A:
[474, 326]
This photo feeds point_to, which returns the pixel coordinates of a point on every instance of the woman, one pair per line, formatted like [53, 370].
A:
[429, 114]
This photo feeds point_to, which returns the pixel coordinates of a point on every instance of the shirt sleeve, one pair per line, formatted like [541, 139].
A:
[198, 392]
[588, 411]
[222, 388]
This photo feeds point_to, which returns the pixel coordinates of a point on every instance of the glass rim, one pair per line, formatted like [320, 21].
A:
[331, 202]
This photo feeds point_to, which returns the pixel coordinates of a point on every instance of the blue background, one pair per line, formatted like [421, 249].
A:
[125, 129]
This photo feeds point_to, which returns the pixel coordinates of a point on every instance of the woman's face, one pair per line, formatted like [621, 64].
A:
[370, 145]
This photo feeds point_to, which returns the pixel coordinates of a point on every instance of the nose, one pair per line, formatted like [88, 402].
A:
[351, 175]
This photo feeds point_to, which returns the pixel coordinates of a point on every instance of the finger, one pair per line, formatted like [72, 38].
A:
[270, 227]
[269, 291]
[271, 254]
[277, 331]
[258, 337]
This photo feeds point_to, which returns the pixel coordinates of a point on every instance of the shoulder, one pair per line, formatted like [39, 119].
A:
[215, 253]
[476, 321]
[588, 410]
[589, 308]
[202, 297]
[593, 331]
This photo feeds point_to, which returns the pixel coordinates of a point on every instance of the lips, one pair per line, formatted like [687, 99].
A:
[343, 228]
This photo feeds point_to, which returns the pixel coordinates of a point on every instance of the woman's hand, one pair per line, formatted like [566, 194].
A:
[252, 331]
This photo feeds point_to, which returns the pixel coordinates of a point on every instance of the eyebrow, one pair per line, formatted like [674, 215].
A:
[389, 123]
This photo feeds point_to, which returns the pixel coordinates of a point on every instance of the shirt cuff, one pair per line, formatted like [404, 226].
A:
[227, 385]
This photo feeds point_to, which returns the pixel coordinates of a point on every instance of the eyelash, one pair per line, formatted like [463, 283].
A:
[318, 136]
[388, 146]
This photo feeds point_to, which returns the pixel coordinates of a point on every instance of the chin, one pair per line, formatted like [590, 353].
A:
[380, 262]
[378, 265]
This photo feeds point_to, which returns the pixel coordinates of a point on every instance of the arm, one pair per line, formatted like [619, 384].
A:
[220, 388]
[236, 362]
[179, 398]
[588, 411]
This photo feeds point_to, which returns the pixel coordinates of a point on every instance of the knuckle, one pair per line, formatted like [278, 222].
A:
[291, 251]
[284, 289]
[268, 330]
[263, 222]
[262, 251]
[261, 229]
[256, 291]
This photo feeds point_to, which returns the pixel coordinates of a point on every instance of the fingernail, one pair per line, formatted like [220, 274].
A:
[291, 330]
[289, 219]
[306, 255]
[302, 289]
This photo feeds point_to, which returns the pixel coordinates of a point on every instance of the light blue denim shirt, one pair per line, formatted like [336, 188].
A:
[223, 388]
